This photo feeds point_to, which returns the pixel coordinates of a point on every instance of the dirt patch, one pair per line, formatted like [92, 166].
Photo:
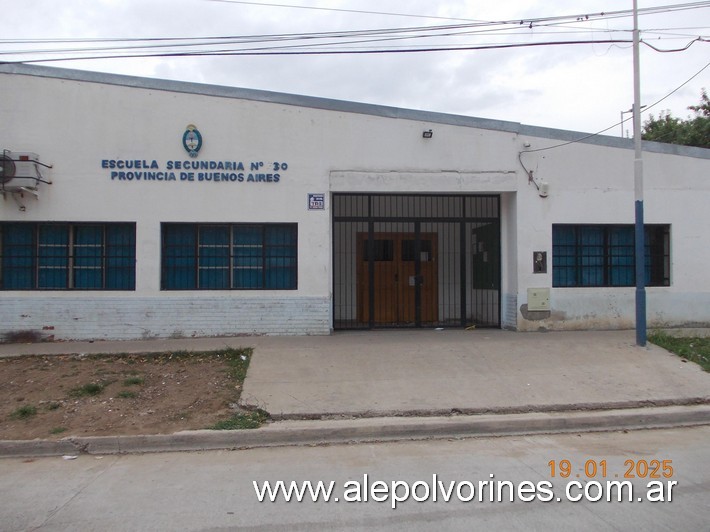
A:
[53, 397]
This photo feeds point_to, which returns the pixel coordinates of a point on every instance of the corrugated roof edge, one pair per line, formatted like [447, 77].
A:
[223, 91]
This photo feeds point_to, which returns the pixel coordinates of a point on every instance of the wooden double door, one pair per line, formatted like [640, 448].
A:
[397, 280]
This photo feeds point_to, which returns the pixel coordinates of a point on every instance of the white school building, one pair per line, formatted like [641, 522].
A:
[141, 208]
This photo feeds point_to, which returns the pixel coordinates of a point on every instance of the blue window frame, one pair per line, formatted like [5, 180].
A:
[229, 256]
[603, 255]
[67, 256]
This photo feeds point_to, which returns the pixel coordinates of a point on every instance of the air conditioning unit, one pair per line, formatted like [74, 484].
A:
[20, 171]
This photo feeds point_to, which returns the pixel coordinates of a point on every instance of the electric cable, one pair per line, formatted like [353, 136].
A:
[405, 33]
[691, 78]
[278, 52]
[586, 16]
[684, 48]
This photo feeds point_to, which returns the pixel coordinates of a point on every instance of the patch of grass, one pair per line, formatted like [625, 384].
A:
[237, 364]
[127, 394]
[24, 412]
[57, 430]
[237, 361]
[53, 405]
[133, 381]
[694, 349]
[86, 390]
[243, 420]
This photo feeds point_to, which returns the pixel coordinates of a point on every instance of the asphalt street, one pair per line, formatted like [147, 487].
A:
[211, 491]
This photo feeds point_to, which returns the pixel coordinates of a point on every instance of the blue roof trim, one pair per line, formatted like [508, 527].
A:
[327, 104]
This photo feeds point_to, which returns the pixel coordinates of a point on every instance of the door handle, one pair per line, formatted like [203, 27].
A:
[416, 280]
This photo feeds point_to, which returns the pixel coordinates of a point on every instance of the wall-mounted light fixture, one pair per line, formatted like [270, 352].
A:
[428, 134]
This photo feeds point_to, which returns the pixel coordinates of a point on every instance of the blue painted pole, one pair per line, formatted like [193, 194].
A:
[640, 277]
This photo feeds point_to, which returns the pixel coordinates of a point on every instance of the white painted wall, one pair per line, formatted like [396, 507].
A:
[593, 185]
[75, 124]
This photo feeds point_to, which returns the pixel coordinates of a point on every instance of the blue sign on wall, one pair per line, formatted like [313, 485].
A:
[193, 170]
[316, 202]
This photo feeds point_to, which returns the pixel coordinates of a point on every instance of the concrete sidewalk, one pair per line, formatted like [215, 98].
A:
[365, 386]
[431, 372]
[401, 372]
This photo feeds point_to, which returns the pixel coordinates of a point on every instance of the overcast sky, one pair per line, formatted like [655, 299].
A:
[581, 87]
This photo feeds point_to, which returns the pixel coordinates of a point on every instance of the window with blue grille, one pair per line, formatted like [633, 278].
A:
[229, 256]
[603, 255]
[67, 256]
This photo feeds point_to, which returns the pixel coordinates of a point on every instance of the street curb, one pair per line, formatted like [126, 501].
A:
[497, 410]
[363, 430]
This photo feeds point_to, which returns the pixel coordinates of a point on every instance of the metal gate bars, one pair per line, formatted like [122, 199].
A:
[416, 260]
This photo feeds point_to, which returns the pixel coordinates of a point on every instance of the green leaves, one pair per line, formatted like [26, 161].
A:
[695, 131]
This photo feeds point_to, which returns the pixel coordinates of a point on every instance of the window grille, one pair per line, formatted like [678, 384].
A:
[229, 256]
[603, 255]
[67, 256]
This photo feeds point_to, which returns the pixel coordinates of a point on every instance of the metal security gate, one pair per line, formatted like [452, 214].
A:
[416, 260]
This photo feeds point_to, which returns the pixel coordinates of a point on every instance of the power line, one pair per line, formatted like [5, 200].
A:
[380, 13]
[442, 31]
[627, 12]
[684, 48]
[361, 51]
[579, 17]
[299, 49]
[326, 48]
[691, 78]
[158, 42]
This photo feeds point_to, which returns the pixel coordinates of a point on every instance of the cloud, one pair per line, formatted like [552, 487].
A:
[579, 87]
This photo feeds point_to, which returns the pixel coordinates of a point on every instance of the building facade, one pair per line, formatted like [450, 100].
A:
[138, 208]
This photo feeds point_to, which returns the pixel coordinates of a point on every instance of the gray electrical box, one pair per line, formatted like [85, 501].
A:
[538, 299]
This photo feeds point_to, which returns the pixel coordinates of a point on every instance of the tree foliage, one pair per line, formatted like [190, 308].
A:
[694, 131]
